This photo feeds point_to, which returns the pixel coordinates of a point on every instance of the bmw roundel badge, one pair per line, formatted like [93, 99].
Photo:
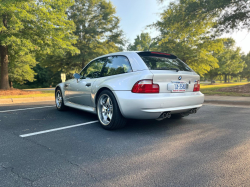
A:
[180, 77]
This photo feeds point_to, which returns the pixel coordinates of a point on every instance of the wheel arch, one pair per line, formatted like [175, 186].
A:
[98, 93]
[57, 87]
[106, 88]
[60, 86]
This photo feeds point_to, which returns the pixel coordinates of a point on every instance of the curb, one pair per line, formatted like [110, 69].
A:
[26, 100]
[246, 103]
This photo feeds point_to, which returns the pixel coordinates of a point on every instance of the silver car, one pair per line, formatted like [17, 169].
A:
[135, 85]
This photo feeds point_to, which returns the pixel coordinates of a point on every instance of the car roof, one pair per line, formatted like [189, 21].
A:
[118, 53]
[135, 60]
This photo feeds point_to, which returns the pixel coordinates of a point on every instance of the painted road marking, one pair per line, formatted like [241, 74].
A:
[25, 109]
[57, 129]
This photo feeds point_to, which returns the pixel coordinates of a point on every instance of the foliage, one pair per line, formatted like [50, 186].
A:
[230, 61]
[246, 71]
[43, 78]
[143, 42]
[229, 14]
[98, 33]
[190, 40]
[31, 29]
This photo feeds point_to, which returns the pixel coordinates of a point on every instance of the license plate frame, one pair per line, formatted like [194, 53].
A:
[179, 86]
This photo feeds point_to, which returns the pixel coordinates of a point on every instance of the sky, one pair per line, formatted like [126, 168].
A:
[135, 15]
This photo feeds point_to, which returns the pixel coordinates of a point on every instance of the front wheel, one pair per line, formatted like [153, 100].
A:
[108, 111]
[59, 100]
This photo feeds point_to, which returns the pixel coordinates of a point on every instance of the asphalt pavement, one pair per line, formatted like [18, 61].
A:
[40, 146]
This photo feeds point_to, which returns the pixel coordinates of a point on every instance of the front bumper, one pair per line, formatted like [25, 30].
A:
[151, 106]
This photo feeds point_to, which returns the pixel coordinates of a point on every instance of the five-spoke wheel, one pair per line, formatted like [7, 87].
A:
[59, 100]
[108, 111]
[105, 109]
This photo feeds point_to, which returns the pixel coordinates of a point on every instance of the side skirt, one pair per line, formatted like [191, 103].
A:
[81, 107]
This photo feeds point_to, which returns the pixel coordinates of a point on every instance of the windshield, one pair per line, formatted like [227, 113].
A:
[164, 63]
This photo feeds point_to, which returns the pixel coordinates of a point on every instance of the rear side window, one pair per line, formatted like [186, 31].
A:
[116, 65]
[163, 62]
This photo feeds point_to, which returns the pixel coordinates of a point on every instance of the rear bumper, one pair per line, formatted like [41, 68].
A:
[150, 106]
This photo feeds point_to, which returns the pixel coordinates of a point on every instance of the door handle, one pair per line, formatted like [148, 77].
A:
[88, 84]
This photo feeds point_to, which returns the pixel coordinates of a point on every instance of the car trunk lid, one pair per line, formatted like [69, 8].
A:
[169, 72]
[167, 80]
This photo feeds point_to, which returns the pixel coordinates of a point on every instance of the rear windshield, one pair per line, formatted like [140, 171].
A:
[160, 62]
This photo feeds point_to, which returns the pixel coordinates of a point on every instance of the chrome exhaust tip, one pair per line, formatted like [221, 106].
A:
[193, 111]
[164, 115]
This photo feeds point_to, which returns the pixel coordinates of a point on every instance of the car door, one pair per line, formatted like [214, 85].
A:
[82, 87]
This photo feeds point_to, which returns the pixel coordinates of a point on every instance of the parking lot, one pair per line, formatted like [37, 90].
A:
[40, 146]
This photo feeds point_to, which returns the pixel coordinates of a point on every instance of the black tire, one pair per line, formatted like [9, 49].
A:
[179, 116]
[117, 120]
[60, 106]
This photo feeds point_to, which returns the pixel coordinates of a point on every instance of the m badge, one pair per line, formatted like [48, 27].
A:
[180, 77]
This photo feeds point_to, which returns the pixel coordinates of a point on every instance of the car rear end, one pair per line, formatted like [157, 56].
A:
[173, 89]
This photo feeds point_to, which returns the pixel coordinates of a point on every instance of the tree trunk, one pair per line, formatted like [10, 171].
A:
[11, 84]
[211, 78]
[225, 79]
[4, 82]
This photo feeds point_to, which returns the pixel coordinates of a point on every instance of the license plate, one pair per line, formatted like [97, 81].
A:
[179, 87]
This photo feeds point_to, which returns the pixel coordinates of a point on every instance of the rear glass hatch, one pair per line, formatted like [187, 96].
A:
[170, 73]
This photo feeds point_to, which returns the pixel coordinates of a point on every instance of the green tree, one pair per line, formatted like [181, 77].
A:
[230, 61]
[191, 41]
[44, 78]
[98, 33]
[229, 14]
[143, 42]
[31, 29]
[246, 71]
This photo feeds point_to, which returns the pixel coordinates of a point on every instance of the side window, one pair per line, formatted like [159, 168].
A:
[93, 70]
[116, 65]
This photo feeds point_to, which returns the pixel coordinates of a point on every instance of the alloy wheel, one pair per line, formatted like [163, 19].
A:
[105, 109]
[58, 99]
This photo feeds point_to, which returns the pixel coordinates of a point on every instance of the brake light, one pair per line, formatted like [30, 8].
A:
[197, 86]
[145, 86]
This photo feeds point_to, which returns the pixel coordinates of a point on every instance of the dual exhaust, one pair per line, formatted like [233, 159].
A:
[165, 115]
[193, 111]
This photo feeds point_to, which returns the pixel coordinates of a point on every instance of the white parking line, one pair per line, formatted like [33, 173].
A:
[25, 109]
[57, 129]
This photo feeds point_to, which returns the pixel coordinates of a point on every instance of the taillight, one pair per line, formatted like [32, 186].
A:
[145, 86]
[197, 86]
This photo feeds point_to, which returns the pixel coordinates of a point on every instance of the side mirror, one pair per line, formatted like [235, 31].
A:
[77, 76]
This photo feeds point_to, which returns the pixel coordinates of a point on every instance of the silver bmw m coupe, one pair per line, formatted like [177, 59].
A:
[135, 85]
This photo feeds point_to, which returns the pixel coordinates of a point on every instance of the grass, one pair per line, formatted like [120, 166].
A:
[208, 89]
[222, 85]
[43, 94]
